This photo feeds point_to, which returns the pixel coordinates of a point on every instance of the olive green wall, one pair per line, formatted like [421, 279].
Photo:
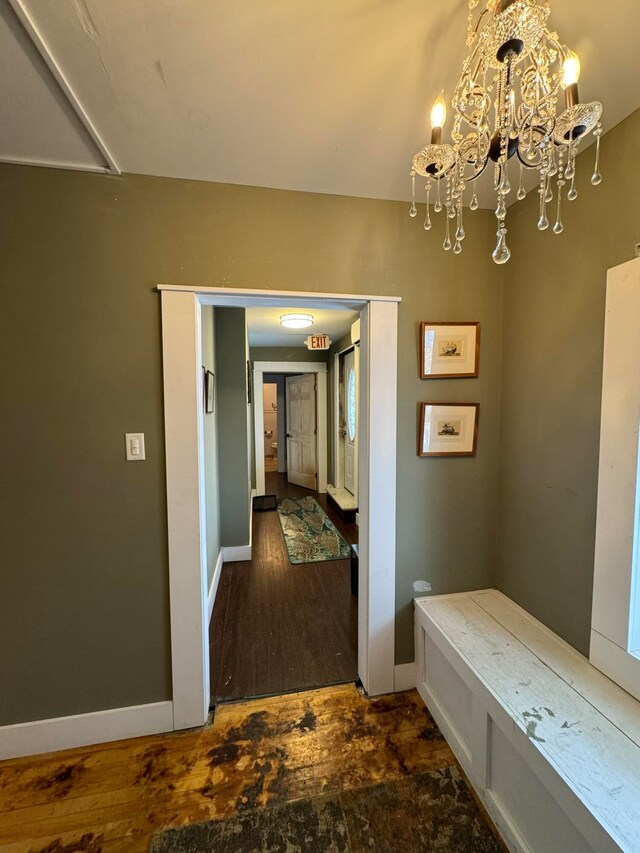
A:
[83, 566]
[233, 436]
[339, 346]
[286, 354]
[552, 372]
[84, 610]
[210, 428]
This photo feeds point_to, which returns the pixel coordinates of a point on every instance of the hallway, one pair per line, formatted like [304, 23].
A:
[278, 627]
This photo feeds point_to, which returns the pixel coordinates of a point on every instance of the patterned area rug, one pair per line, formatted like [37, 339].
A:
[431, 811]
[309, 534]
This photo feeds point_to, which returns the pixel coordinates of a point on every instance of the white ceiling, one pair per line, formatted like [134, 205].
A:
[265, 329]
[38, 123]
[328, 97]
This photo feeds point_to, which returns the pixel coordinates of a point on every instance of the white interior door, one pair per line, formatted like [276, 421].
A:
[301, 430]
[351, 364]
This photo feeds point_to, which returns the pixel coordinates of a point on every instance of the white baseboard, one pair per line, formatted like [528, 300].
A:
[215, 580]
[404, 676]
[85, 729]
[236, 553]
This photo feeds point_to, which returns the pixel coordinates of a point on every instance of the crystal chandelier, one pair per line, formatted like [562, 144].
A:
[506, 106]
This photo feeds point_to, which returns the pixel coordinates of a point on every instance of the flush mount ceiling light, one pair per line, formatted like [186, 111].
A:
[296, 321]
[506, 104]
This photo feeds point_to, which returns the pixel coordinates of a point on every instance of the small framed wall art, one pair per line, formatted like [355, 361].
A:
[448, 429]
[209, 382]
[449, 350]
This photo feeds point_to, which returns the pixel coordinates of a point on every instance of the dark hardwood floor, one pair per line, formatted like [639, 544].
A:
[278, 627]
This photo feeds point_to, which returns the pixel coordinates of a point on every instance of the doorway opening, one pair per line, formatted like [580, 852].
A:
[302, 444]
[286, 618]
[272, 414]
[189, 587]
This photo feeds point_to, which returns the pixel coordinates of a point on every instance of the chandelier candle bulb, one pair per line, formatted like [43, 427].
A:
[438, 118]
[571, 76]
[439, 112]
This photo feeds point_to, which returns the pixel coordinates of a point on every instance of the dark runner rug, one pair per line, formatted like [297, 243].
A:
[431, 811]
[308, 533]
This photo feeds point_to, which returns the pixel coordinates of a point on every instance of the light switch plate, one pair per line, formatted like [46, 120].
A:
[134, 446]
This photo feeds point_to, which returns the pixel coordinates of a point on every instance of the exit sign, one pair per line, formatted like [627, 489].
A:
[318, 342]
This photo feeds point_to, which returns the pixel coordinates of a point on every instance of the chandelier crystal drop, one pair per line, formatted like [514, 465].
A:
[507, 117]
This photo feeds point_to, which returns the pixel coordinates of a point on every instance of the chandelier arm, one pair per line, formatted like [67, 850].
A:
[477, 175]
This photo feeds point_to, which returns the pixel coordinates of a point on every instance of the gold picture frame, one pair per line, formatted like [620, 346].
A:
[449, 350]
[448, 429]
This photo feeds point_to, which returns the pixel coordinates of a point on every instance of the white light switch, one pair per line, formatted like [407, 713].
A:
[134, 443]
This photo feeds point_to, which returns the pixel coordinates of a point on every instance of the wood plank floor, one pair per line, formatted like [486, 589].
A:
[112, 798]
[278, 627]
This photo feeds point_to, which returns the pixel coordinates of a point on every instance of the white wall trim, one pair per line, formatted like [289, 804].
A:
[258, 429]
[242, 297]
[617, 663]
[287, 367]
[336, 479]
[236, 553]
[615, 621]
[215, 580]
[85, 729]
[322, 449]
[405, 676]
[54, 164]
[377, 485]
[290, 366]
[376, 494]
[65, 87]
[184, 454]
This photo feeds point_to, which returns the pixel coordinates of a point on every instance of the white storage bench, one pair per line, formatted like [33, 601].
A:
[550, 744]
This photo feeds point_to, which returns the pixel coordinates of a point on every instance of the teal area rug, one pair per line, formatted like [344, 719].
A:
[430, 812]
[308, 533]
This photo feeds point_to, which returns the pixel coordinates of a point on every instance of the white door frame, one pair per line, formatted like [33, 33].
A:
[287, 367]
[337, 461]
[336, 473]
[184, 449]
[346, 442]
